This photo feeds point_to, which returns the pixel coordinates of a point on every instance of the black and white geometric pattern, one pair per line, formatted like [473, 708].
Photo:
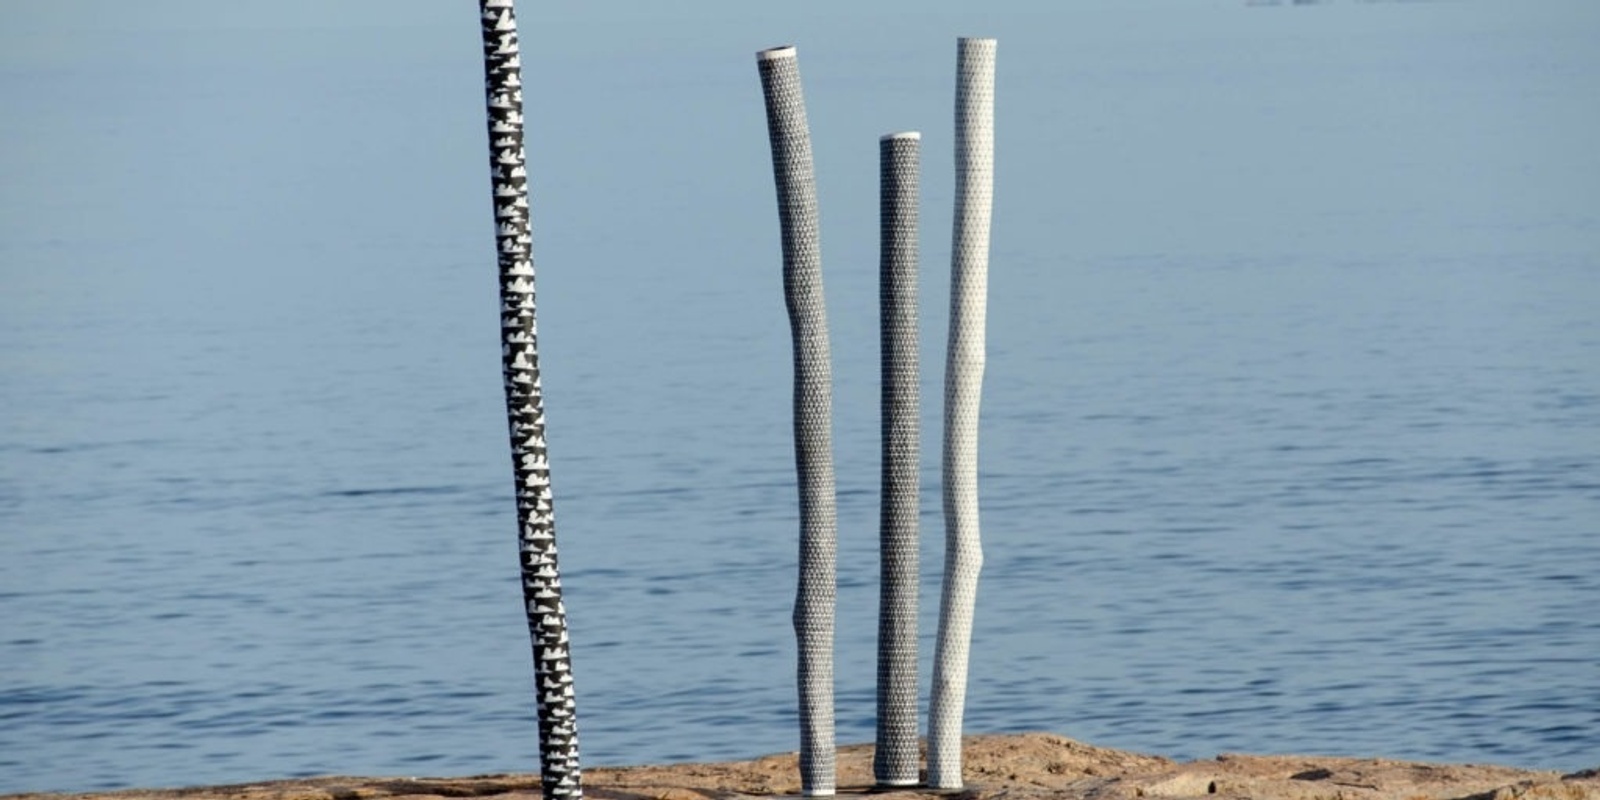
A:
[793, 173]
[541, 576]
[969, 281]
[896, 758]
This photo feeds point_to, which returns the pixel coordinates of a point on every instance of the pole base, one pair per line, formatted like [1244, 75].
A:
[894, 786]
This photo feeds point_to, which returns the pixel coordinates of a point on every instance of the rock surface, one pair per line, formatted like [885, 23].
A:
[1015, 767]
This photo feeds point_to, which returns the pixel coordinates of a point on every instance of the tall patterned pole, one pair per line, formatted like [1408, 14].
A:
[813, 411]
[895, 760]
[969, 285]
[541, 576]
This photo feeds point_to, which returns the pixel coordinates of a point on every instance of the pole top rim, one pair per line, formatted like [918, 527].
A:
[782, 51]
[913, 135]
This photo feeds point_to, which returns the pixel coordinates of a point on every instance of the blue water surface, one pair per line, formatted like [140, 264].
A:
[1291, 425]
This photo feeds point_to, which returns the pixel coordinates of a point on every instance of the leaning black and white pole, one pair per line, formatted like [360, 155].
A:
[895, 760]
[793, 173]
[969, 283]
[541, 576]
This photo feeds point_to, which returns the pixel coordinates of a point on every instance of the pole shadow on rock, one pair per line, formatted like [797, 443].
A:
[541, 577]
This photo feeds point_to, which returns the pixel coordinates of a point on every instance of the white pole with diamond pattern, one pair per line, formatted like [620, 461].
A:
[896, 757]
[969, 282]
[795, 178]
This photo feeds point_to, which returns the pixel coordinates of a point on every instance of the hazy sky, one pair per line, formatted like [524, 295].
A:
[1064, 73]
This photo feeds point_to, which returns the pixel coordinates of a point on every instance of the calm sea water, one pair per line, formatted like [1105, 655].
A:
[1291, 434]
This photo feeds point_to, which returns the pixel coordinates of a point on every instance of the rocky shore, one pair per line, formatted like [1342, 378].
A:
[1015, 767]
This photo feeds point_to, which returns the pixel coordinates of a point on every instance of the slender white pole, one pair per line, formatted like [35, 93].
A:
[895, 759]
[541, 576]
[795, 178]
[969, 283]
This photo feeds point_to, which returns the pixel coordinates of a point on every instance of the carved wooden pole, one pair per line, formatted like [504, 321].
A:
[969, 285]
[541, 576]
[813, 411]
[895, 760]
